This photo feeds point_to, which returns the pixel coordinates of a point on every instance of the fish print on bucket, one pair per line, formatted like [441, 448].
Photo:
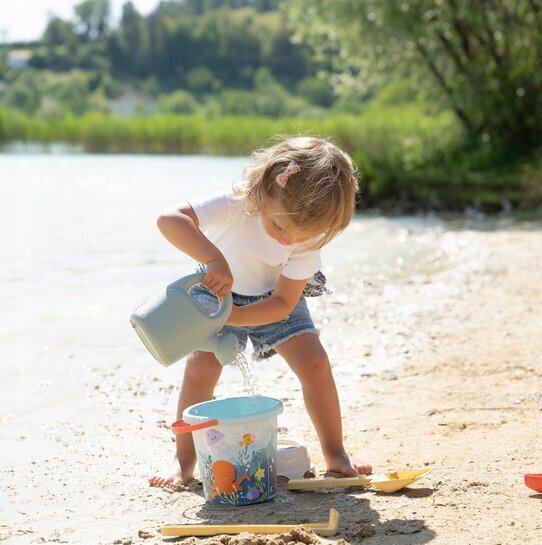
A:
[248, 439]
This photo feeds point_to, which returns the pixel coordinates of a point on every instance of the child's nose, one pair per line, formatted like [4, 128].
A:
[286, 238]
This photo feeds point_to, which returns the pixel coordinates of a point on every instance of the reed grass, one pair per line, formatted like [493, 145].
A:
[404, 153]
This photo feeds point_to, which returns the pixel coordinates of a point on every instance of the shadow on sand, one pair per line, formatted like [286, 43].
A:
[359, 521]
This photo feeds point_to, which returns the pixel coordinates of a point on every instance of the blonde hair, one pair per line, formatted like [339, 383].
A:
[320, 197]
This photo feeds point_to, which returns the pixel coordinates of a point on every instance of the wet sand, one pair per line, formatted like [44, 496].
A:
[437, 366]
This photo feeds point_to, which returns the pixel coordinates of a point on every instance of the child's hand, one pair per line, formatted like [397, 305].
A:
[218, 277]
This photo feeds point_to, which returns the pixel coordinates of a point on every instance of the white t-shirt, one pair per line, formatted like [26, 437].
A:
[256, 260]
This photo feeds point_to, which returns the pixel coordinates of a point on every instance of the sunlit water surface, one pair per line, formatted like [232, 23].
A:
[80, 249]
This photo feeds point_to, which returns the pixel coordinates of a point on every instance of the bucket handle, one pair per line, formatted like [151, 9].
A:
[180, 426]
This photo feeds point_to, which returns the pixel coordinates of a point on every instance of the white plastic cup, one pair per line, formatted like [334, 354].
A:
[292, 458]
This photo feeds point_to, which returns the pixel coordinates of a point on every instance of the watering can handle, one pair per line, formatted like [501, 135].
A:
[187, 282]
[180, 426]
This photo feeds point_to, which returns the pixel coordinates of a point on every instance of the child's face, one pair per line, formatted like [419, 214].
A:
[277, 225]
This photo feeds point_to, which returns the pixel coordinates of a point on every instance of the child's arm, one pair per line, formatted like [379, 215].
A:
[179, 225]
[272, 309]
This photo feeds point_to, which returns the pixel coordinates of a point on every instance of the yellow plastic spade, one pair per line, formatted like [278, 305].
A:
[328, 528]
[386, 482]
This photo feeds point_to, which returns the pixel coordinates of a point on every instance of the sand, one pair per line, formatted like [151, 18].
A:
[461, 392]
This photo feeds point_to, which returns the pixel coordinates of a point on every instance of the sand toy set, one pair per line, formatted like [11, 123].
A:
[235, 438]
[236, 448]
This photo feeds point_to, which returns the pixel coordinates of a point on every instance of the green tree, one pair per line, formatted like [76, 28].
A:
[199, 7]
[92, 18]
[133, 41]
[317, 90]
[23, 95]
[228, 46]
[201, 80]
[72, 93]
[178, 102]
[484, 57]
[59, 32]
[289, 61]
[110, 87]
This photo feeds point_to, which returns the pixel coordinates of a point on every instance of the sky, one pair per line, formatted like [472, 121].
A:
[27, 19]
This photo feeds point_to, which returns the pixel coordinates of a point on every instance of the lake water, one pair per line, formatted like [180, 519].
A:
[84, 408]
[80, 249]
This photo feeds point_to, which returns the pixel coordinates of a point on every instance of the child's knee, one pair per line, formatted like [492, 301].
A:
[201, 368]
[315, 367]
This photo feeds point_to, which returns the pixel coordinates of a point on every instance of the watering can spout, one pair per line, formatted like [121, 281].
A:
[225, 347]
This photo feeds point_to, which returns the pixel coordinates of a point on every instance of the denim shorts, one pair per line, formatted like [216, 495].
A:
[264, 338]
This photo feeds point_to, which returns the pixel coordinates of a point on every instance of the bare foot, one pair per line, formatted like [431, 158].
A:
[339, 462]
[179, 474]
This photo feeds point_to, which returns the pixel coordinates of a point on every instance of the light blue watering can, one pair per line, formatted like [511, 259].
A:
[172, 324]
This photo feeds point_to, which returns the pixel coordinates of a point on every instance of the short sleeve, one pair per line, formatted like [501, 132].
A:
[302, 264]
[214, 210]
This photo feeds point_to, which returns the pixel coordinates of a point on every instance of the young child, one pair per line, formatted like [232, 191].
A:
[262, 242]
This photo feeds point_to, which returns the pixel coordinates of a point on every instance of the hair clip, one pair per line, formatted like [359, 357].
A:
[282, 178]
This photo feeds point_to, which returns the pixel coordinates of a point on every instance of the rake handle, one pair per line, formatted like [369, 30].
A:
[324, 529]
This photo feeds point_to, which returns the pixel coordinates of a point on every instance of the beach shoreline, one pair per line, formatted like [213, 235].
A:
[457, 389]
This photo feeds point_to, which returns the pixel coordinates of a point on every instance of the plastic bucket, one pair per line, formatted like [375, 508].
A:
[236, 447]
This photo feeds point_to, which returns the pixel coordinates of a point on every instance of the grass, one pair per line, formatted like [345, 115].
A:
[404, 153]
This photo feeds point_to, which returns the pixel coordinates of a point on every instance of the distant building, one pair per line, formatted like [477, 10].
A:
[18, 59]
[133, 102]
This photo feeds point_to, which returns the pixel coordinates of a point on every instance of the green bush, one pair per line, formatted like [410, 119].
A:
[178, 102]
[404, 154]
[23, 97]
[201, 80]
[317, 90]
